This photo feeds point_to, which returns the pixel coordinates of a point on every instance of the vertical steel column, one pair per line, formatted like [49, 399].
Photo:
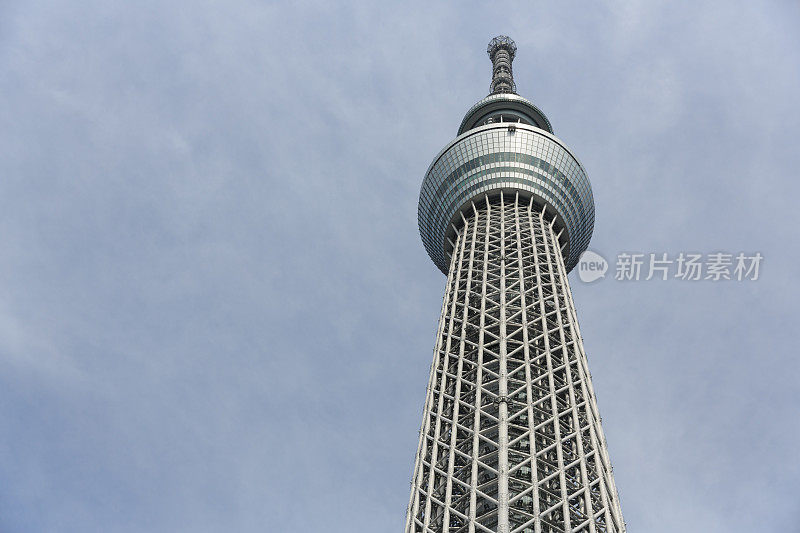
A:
[502, 399]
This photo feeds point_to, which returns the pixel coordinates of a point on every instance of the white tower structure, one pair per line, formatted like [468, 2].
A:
[511, 440]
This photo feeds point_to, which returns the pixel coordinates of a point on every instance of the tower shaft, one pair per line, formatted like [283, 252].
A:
[511, 439]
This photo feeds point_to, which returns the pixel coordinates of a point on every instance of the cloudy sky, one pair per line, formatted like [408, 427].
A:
[216, 313]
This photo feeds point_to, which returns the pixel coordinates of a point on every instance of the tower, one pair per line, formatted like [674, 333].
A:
[511, 438]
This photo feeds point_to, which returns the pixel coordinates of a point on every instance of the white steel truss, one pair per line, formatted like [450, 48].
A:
[511, 440]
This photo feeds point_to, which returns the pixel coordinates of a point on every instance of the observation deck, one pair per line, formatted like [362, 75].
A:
[505, 144]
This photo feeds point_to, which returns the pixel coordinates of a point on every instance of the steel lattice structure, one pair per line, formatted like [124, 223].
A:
[511, 439]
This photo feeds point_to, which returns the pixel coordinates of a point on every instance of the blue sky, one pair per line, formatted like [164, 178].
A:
[215, 310]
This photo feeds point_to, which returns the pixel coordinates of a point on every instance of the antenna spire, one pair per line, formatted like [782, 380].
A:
[501, 51]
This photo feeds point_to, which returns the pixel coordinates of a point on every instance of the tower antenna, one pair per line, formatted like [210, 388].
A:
[502, 50]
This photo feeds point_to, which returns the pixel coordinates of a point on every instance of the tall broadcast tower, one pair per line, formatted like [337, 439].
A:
[511, 440]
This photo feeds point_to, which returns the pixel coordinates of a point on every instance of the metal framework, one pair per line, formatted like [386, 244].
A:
[511, 440]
